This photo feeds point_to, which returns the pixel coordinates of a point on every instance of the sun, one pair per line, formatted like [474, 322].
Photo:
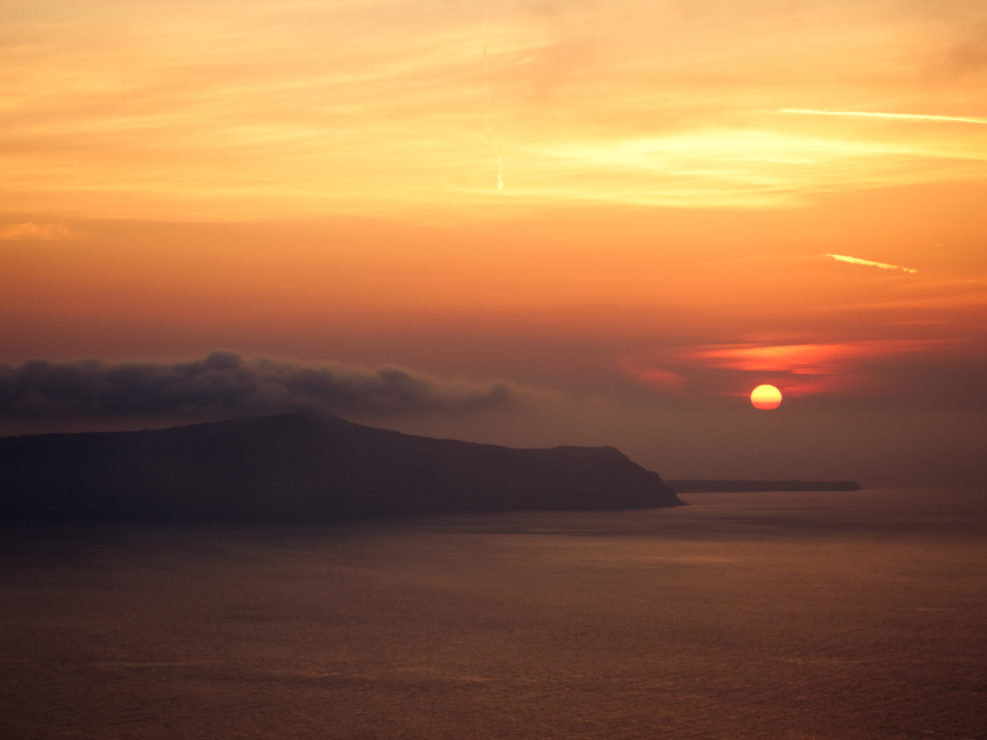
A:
[766, 397]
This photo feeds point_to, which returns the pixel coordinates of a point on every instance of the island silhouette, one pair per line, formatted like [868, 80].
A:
[705, 485]
[304, 467]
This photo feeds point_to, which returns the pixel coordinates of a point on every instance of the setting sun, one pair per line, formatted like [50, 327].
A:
[766, 397]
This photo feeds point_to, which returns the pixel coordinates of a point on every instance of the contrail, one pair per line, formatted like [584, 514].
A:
[869, 263]
[487, 126]
[890, 116]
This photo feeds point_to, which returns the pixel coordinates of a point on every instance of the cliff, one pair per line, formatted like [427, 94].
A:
[304, 468]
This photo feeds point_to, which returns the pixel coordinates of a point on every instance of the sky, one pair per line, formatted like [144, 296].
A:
[526, 223]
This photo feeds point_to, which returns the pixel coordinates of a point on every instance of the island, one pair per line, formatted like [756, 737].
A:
[698, 485]
[304, 467]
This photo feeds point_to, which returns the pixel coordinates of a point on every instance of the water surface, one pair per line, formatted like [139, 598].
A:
[787, 614]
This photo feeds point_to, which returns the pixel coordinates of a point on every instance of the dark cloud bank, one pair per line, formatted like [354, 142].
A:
[224, 384]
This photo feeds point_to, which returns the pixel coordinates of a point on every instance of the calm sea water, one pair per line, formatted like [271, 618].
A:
[826, 615]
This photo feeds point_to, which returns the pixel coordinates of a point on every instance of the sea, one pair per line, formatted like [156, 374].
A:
[750, 615]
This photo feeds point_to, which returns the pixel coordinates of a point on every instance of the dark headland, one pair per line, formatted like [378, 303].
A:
[304, 467]
[698, 485]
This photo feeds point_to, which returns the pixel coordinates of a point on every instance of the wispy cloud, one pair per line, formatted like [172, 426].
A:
[36, 232]
[798, 368]
[870, 263]
[235, 110]
[808, 359]
[654, 377]
[888, 116]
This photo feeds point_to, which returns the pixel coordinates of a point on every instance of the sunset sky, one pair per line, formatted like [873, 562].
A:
[563, 222]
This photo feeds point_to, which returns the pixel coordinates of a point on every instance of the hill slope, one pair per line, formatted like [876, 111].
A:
[304, 467]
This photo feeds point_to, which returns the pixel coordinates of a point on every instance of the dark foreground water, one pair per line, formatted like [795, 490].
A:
[827, 615]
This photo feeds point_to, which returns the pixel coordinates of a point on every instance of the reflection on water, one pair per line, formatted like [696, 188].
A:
[778, 614]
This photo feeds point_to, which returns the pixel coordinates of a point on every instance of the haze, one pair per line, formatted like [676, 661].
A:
[564, 223]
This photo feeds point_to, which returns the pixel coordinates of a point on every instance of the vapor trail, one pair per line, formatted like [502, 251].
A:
[869, 263]
[890, 116]
[487, 126]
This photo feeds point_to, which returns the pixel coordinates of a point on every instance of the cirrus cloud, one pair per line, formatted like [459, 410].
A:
[30, 231]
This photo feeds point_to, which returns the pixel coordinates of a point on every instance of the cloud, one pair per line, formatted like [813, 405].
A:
[968, 58]
[213, 115]
[654, 377]
[886, 116]
[809, 359]
[893, 371]
[36, 232]
[870, 263]
[224, 384]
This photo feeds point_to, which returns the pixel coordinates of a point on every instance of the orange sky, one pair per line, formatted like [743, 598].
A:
[645, 207]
